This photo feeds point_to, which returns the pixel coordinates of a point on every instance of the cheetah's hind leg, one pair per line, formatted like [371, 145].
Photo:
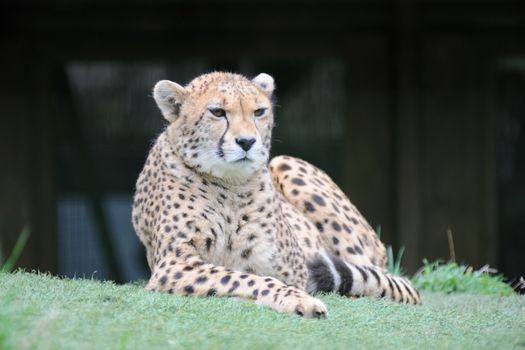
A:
[344, 232]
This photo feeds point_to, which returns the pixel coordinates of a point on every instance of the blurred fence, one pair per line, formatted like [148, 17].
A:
[414, 107]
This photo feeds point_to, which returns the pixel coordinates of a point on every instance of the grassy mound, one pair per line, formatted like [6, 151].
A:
[39, 311]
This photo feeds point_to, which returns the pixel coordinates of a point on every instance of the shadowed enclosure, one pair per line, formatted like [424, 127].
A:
[415, 108]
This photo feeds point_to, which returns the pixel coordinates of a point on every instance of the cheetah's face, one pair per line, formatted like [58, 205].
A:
[220, 123]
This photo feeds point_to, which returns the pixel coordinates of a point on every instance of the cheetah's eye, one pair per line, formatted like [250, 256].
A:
[259, 112]
[218, 112]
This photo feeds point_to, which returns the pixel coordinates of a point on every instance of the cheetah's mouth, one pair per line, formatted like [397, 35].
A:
[243, 160]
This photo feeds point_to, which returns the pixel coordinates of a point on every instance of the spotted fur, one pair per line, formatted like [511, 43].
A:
[216, 219]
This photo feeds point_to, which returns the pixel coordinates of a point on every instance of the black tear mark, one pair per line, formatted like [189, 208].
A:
[220, 151]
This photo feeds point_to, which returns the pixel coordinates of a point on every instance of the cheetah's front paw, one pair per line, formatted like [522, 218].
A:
[303, 304]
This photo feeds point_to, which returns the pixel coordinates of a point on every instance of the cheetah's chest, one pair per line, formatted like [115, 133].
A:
[247, 242]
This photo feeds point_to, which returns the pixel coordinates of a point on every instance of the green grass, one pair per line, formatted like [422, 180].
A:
[42, 312]
[451, 278]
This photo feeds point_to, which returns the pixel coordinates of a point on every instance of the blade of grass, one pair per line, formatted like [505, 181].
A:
[394, 262]
[378, 231]
[398, 260]
[17, 250]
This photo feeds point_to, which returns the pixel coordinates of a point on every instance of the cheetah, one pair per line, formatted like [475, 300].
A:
[217, 218]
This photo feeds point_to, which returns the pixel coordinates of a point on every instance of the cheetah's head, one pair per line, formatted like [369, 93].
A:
[220, 123]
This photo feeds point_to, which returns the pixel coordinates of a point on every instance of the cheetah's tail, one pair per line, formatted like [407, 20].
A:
[330, 273]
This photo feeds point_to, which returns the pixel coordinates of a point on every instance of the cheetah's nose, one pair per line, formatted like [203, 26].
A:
[245, 143]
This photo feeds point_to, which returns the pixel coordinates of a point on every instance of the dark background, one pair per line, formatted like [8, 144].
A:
[416, 108]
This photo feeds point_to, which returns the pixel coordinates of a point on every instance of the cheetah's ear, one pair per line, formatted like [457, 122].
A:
[265, 82]
[169, 97]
